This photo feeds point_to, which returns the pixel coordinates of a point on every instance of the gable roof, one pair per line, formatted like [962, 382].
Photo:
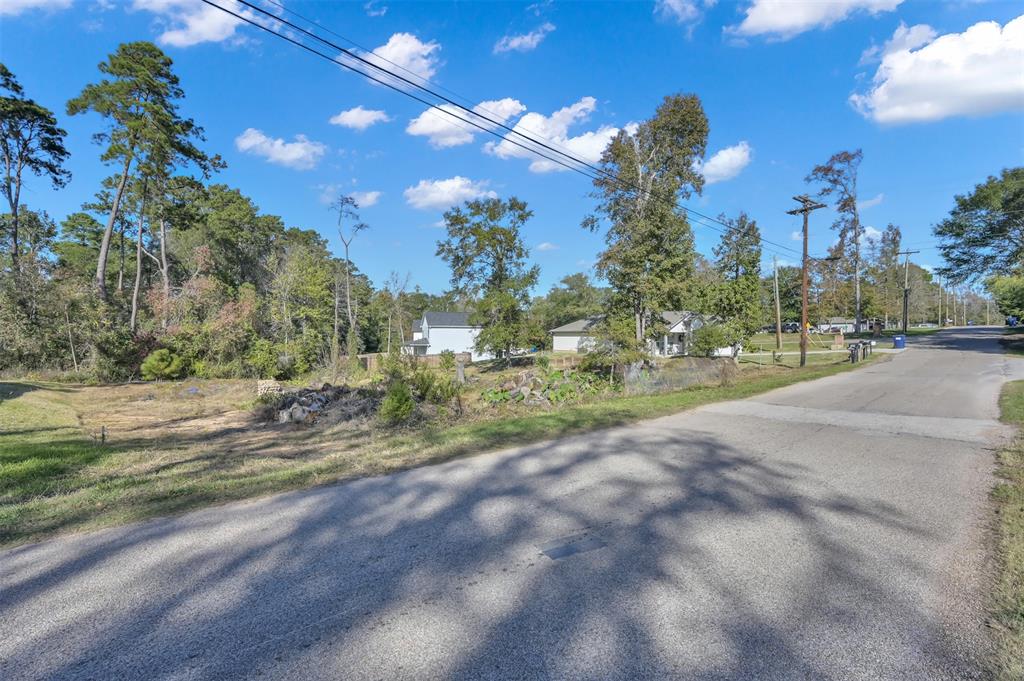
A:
[674, 317]
[579, 325]
[437, 319]
[417, 325]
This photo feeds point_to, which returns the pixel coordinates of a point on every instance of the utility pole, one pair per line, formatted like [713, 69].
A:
[807, 205]
[906, 287]
[938, 281]
[778, 306]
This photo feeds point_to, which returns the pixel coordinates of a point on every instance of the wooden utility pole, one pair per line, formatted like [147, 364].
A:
[778, 306]
[807, 205]
[906, 287]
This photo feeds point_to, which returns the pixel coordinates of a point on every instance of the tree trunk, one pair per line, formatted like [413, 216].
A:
[14, 238]
[165, 273]
[71, 340]
[101, 264]
[138, 260]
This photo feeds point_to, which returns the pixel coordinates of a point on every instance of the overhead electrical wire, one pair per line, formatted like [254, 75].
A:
[603, 174]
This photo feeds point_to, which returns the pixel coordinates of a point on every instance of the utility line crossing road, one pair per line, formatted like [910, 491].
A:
[829, 530]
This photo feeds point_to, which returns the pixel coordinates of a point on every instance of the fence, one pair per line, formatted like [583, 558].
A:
[371, 361]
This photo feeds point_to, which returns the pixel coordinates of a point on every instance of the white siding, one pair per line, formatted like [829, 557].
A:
[456, 339]
[571, 343]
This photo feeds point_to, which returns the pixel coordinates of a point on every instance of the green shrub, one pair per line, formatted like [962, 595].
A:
[543, 362]
[447, 362]
[398, 404]
[708, 339]
[162, 364]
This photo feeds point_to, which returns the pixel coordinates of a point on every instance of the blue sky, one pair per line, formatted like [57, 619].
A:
[937, 97]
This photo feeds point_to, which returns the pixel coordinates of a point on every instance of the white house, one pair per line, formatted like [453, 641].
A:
[578, 336]
[436, 332]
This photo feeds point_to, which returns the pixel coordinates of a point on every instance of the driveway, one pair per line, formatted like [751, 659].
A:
[829, 530]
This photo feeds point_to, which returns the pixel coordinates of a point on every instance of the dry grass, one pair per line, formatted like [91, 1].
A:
[172, 447]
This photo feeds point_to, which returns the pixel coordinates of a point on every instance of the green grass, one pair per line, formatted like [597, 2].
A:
[55, 478]
[1008, 595]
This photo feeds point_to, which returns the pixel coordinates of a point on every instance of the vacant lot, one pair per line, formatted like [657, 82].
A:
[169, 447]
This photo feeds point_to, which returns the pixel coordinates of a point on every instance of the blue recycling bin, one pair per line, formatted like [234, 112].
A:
[899, 342]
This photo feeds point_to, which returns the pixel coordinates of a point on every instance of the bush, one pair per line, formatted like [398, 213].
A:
[398, 404]
[543, 362]
[708, 339]
[447, 362]
[162, 364]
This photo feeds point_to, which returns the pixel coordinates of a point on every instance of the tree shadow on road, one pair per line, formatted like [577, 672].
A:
[692, 560]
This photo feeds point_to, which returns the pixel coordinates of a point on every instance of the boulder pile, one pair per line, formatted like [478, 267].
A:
[344, 404]
[527, 387]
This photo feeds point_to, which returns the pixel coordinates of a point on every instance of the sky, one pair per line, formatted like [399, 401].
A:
[931, 91]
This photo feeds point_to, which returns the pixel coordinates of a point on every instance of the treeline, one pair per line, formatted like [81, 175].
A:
[163, 259]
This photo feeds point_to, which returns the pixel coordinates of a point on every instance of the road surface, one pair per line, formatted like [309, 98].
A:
[829, 530]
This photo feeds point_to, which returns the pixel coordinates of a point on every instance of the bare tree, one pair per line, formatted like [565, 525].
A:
[347, 207]
[396, 287]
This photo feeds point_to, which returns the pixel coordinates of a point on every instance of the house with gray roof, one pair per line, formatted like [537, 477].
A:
[580, 335]
[436, 332]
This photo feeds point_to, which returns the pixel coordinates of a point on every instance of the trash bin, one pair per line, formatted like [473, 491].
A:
[899, 342]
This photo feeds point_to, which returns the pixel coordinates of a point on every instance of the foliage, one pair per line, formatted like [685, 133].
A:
[139, 101]
[837, 179]
[398, 404]
[447, 361]
[645, 169]
[736, 299]
[487, 257]
[162, 364]
[710, 338]
[982, 235]
[31, 140]
[1008, 292]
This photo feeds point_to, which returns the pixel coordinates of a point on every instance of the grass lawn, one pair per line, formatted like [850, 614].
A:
[1008, 597]
[176, 446]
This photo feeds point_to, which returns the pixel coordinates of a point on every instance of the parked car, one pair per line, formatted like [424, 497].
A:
[791, 327]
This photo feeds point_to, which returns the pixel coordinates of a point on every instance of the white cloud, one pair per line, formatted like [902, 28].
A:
[547, 246]
[366, 199]
[443, 127]
[783, 19]
[872, 234]
[554, 129]
[359, 118]
[375, 9]
[525, 42]
[11, 8]
[408, 53]
[870, 203]
[302, 154]
[187, 22]
[928, 78]
[442, 194]
[726, 163]
[796, 236]
[903, 39]
[681, 11]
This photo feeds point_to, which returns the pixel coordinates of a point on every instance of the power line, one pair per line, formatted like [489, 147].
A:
[456, 117]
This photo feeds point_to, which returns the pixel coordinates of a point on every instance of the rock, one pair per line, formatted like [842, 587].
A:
[269, 387]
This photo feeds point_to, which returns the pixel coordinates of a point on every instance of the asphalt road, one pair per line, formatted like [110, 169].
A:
[830, 530]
